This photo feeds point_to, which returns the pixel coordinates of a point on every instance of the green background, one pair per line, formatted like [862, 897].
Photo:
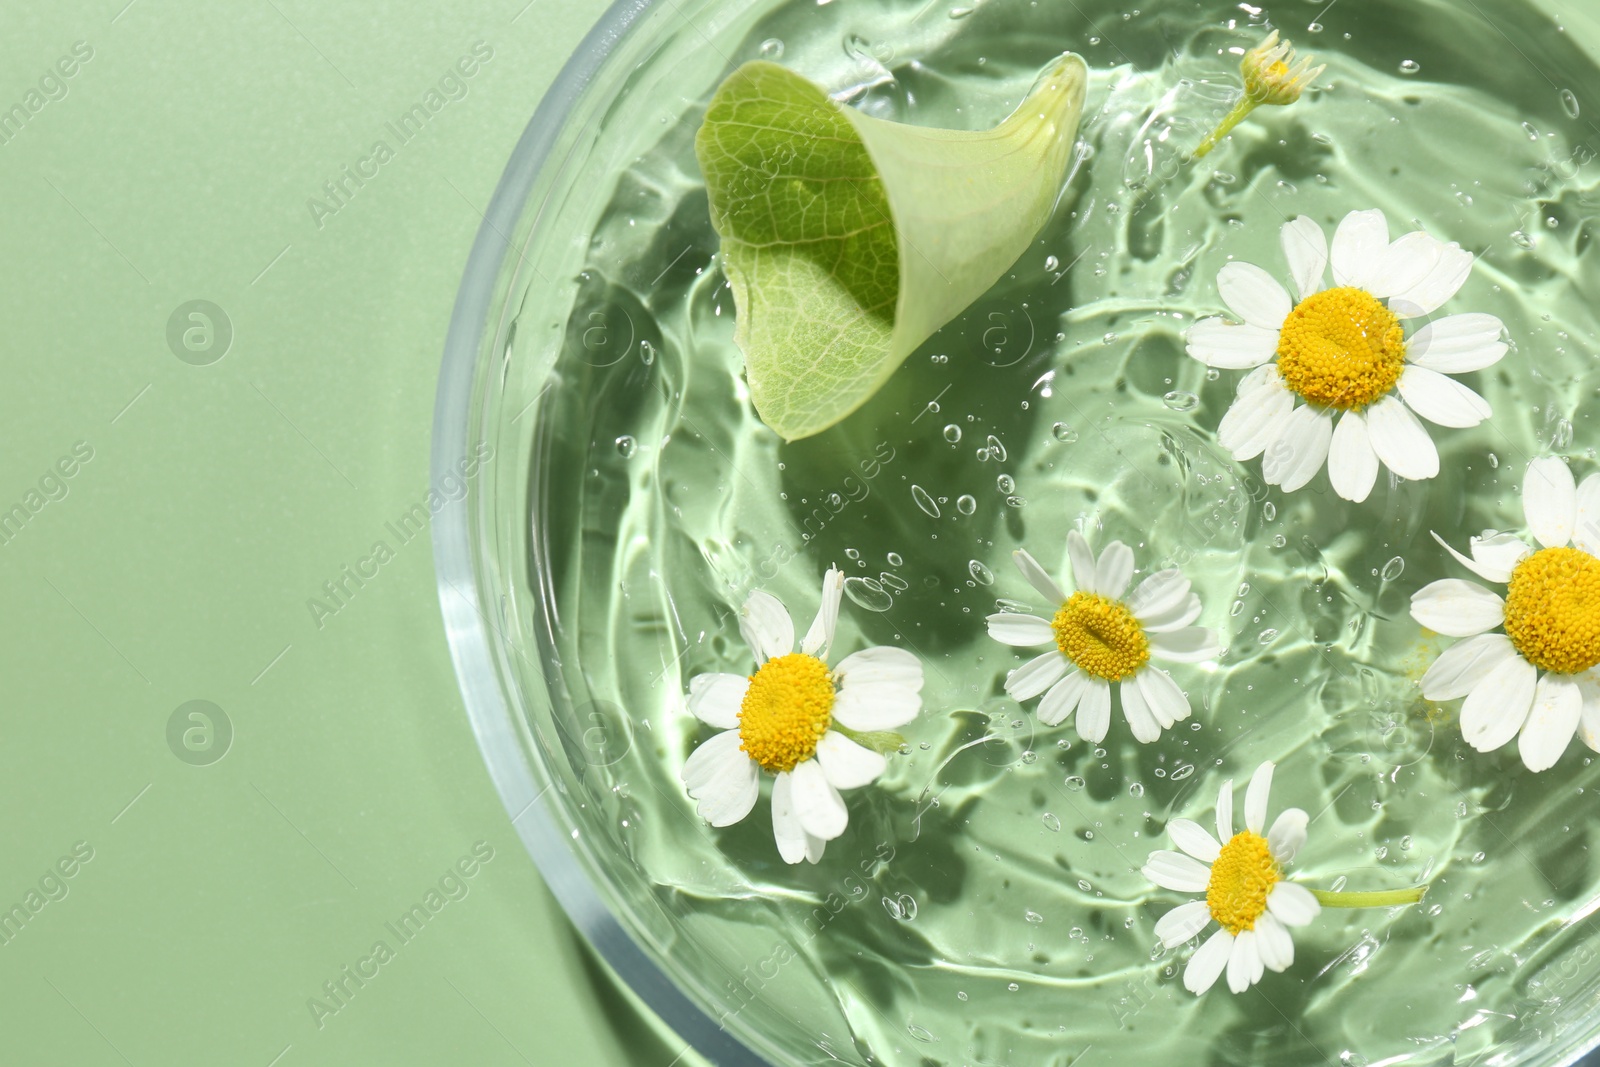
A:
[177, 164]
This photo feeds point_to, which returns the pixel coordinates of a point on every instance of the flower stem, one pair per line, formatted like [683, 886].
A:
[1390, 898]
[1243, 108]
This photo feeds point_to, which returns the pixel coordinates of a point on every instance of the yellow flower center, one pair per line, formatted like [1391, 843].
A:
[1553, 610]
[1241, 878]
[1101, 636]
[786, 711]
[1341, 348]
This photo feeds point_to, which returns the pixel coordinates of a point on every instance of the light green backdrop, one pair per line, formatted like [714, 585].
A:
[175, 164]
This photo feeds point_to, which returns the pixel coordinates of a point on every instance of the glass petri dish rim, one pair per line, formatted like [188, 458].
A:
[518, 780]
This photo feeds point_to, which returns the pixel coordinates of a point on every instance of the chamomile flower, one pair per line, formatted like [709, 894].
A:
[1334, 377]
[1103, 640]
[798, 720]
[1273, 74]
[1245, 891]
[1539, 679]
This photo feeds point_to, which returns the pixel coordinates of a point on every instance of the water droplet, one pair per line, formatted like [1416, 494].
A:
[1279, 541]
[1267, 636]
[938, 357]
[1051, 263]
[1269, 511]
[868, 593]
[924, 501]
[1064, 433]
[852, 553]
[1032, 916]
[952, 433]
[1315, 27]
[1005, 483]
[1075, 783]
[627, 446]
[1570, 103]
[920, 1033]
[1520, 239]
[1051, 823]
[966, 504]
[1182, 771]
[1016, 501]
[980, 574]
[1013, 986]
[1136, 789]
[1393, 569]
[902, 906]
[961, 994]
[1180, 401]
[997, 451]
[771, 48]
[1410, 66]
[647, 352]
[895, 559]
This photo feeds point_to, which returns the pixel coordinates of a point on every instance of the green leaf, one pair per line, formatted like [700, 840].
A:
[849, 240]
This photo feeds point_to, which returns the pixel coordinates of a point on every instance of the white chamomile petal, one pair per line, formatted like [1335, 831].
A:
[1114, 570]
[1258, 414]
[1457, 344]
[1225, 811]
[765, 624]
[1305, 246]
[1589, 721]
[1165, 698]
[1274, 942]
[1441, 283]
[1177, 872]
[1243, 962]
[1018, 630]
[1493, 558]
[1254, 295]
[1404, 264]
[1292, 904]
[1352, 464]
[1037, 675]
[715, 699]
[1460, 668]
[818, 804]
[1194, 839]
[1255, 798]
[1288, 834]
[1550, 501]
[876, 706]
[790, 836]
[819, 639]
[1440, 399]
[1063, 698]
[1081, 558]
[1037, 577]
[1182, 923]
[1094, 709]
[1300, 450]
[1158, 594]
[1228, 346]
[880, 665]
[1586, 522]
[1551, 723]
[846, 764]
[1457, 608]
[1401, 441]
[1498, 705]
[1190, 644]
[1141, 721]
[723, 781]
[1358, 248]
[1208, 962]
[1174, 618]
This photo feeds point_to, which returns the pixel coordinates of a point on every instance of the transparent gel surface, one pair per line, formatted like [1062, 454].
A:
[985, 905]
